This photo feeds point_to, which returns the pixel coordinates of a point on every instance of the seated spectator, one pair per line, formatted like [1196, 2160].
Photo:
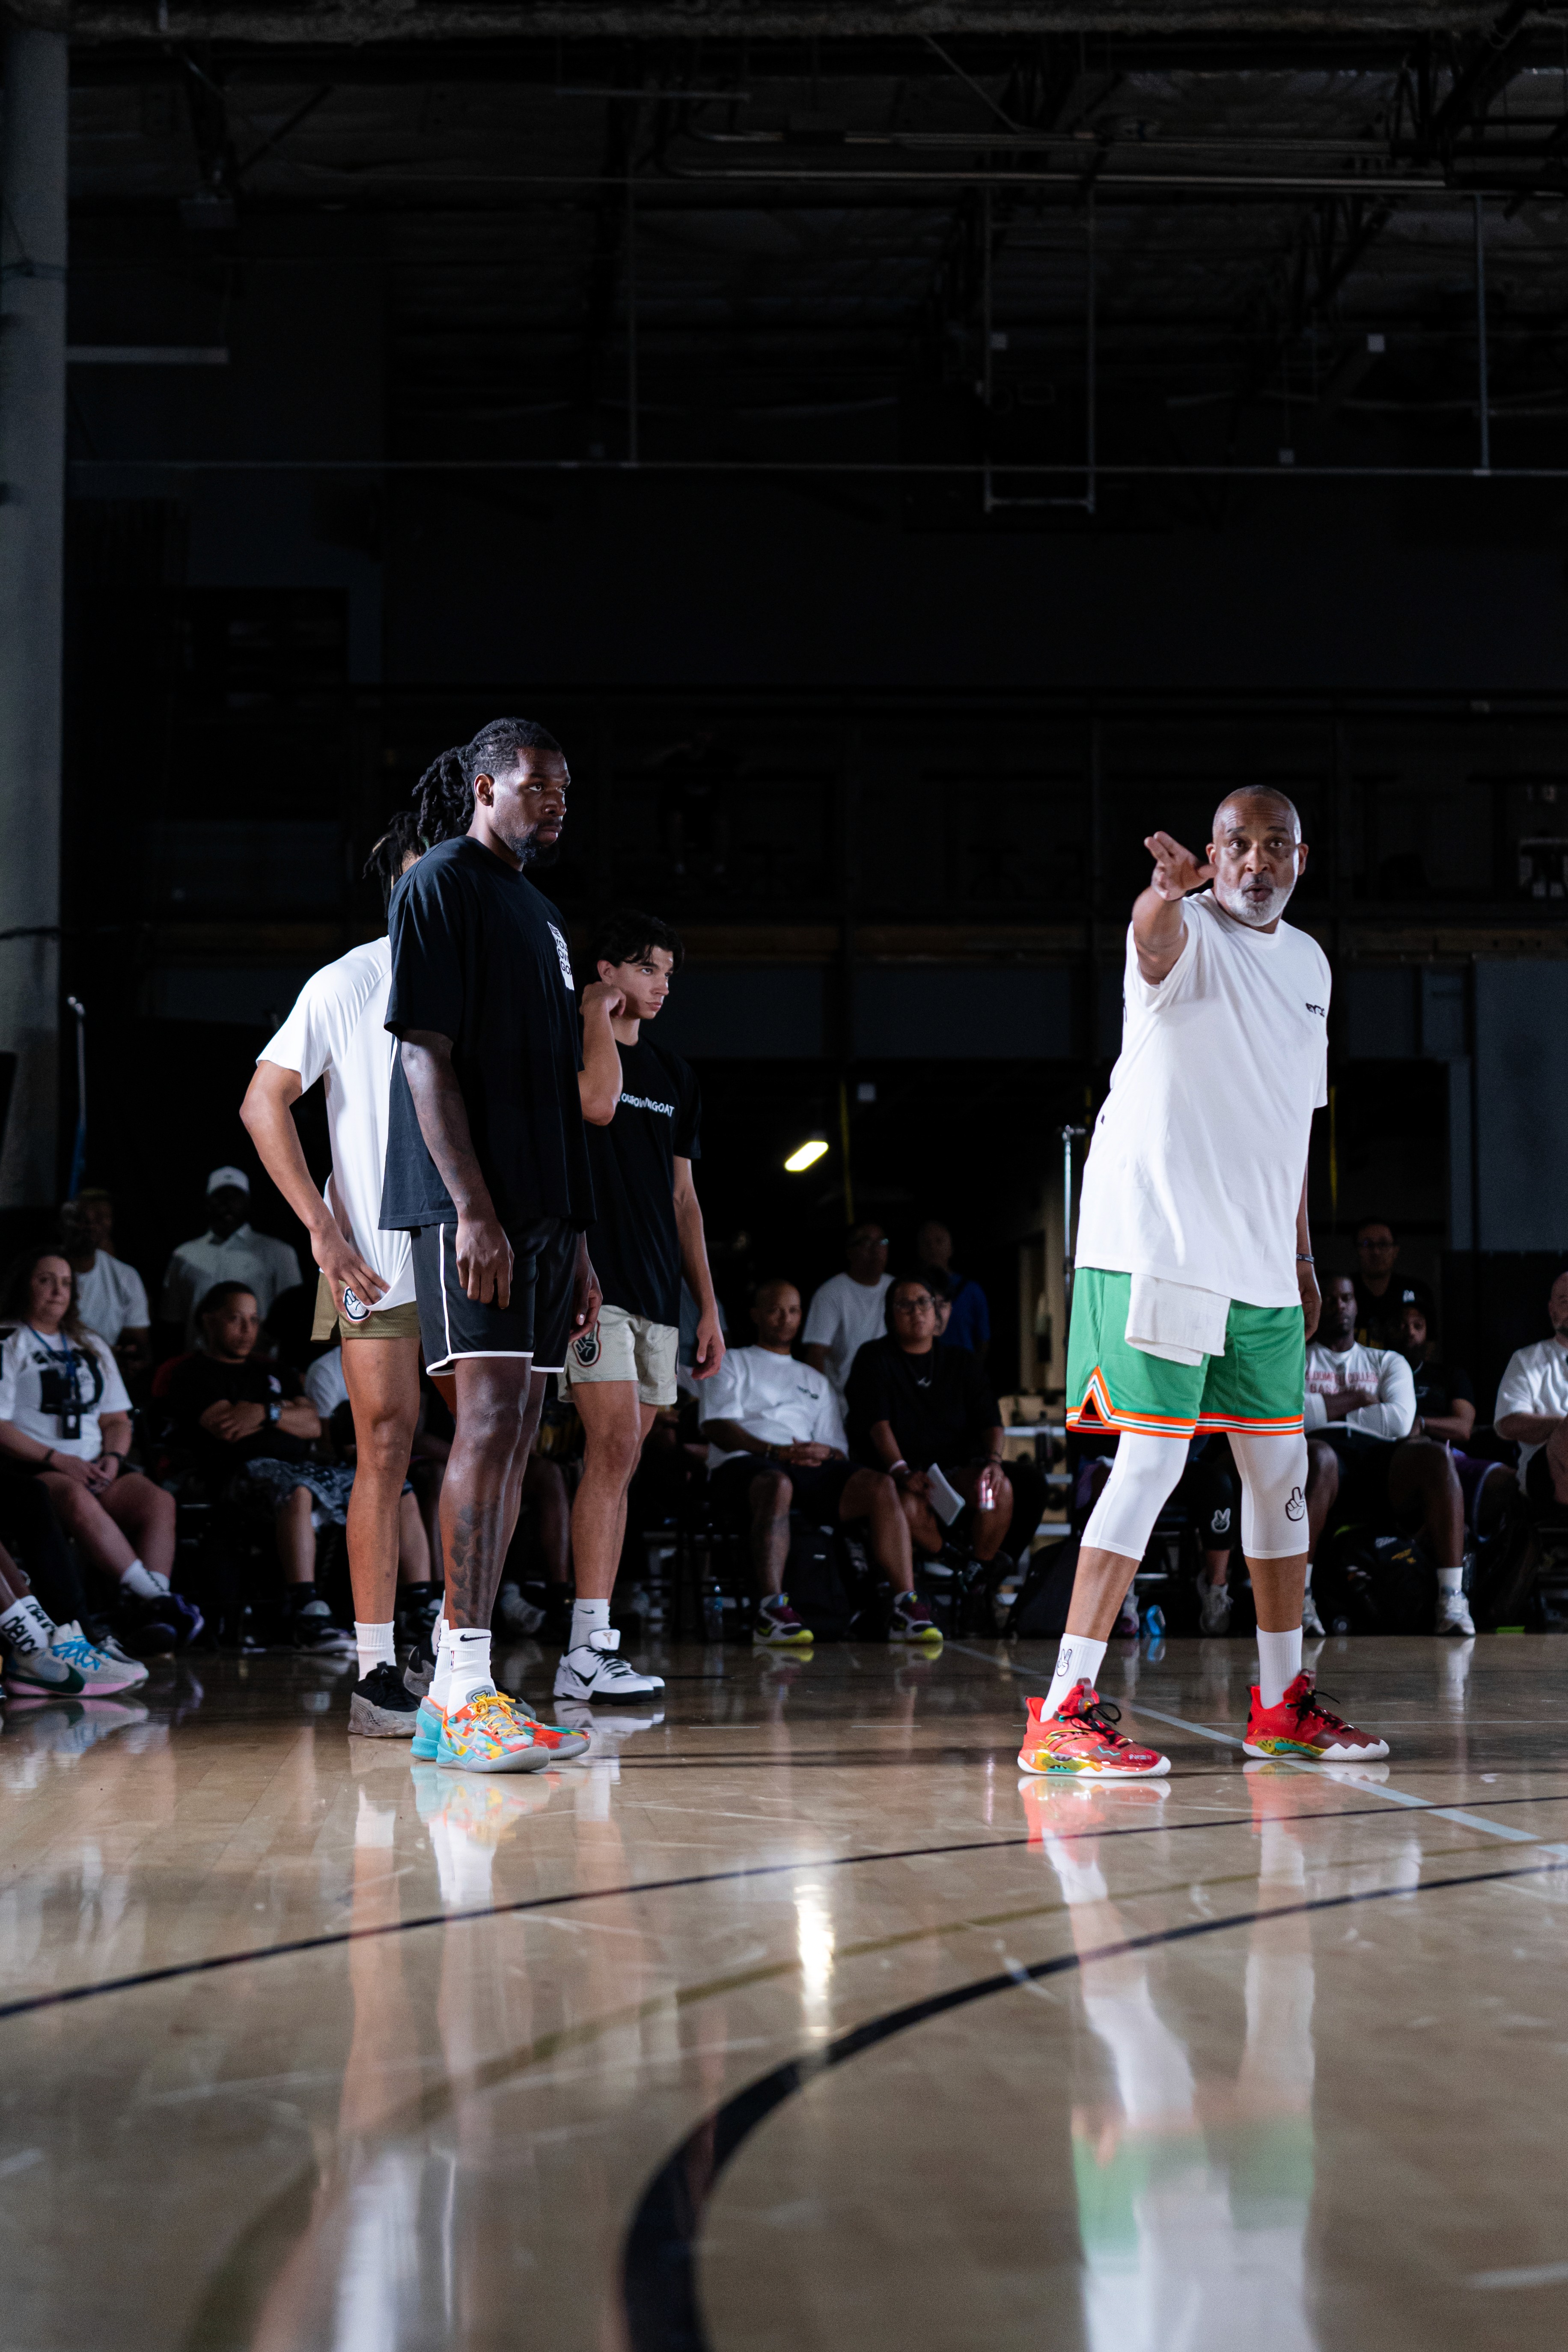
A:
[1445, 1409]
[111, 1296]
[64, 1414]
[775, 1443]
[969, 1323]
[249, 1428]
[328, 1391]
[1363, 1460]
[1532, 1406]
[1379, 1297]
[846, 1309]
[229, 1251]
[915, 1407]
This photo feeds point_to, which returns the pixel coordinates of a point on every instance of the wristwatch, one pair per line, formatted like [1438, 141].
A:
[274, 1411]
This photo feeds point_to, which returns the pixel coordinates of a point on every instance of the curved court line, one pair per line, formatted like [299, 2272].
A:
[27, 2004]
[659, 2277]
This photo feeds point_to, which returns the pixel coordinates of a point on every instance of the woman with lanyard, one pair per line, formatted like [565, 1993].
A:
[65, 1415]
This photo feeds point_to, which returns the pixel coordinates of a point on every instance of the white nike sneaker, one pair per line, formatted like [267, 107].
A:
[593, 1671]
[102, 1671]
[1454, 1615]
[1312, 1623]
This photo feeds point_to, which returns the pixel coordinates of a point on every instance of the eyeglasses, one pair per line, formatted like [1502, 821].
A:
[911, 1306]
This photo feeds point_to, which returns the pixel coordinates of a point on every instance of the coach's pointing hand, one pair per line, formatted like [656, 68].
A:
[1177, 870]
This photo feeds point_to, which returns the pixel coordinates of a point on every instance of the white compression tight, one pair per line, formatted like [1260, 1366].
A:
[1145, 1473]
[1273, 1494]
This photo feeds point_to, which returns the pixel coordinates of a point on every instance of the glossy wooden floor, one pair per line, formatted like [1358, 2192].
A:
[791, 2020]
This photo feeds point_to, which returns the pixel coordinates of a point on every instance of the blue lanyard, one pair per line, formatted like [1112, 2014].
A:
[68, 1357]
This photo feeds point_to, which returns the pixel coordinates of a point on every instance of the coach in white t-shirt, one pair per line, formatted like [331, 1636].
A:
[1194, 1294]
[1532, 1405]
[776, 1442]
[337, 1033]
[847, 1311]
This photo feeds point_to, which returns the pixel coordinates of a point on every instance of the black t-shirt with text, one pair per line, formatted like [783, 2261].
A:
[939, 1406]
[202, 1380]
[479, 956]
[632, 1242]
[1438, 1387]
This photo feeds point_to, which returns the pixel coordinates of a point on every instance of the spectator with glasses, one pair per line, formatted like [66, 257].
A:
[916, 1407]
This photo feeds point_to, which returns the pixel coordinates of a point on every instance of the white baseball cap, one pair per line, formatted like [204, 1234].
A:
[221, 1178]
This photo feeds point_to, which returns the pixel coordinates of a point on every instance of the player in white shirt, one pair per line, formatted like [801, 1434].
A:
[1362, 1459]
[1532, 1405]
[337, 1033]
[1194, 1292]
[776, 1442]
[848, 1310]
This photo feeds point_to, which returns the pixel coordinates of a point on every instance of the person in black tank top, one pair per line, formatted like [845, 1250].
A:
[647, 1231]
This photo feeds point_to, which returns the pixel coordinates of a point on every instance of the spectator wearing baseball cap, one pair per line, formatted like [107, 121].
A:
[230, 1250]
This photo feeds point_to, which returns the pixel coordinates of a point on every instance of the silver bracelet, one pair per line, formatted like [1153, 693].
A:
[1305, 1257]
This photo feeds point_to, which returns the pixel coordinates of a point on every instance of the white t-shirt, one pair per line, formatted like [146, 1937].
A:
[325, 1383]
[843, 1315]
[33, 1388]
[266, 1266]
[1381, 1375]
[112, 1297]
[1536, 1380]
[337, 1031]
[1195, 1172]
[774, 1398]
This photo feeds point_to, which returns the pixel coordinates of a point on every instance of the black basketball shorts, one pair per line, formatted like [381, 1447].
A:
[537, 1320]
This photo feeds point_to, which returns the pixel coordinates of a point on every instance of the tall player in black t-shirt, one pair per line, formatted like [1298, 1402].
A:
[647, 1228]
[486, 1168]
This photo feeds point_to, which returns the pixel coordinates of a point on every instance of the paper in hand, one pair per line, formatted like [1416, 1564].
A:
[945, 1499]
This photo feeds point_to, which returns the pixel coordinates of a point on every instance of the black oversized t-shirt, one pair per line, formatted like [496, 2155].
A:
[633, 1243]
[1439, 1387]
[479, 956]
[938, 1405]
[202, 1380]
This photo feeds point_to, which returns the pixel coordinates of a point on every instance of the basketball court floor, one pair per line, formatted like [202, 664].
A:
[791, 2019]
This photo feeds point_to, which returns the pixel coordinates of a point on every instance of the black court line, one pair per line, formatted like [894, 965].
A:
[29, 2003]
[659, 2272]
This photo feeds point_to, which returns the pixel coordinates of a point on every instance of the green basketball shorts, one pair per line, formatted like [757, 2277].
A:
[1259, 1384]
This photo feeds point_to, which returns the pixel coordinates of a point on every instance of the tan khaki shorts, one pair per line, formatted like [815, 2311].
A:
[381, 1323]
[627, 1347]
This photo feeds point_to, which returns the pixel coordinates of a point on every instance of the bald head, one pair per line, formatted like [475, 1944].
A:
[1257, 854]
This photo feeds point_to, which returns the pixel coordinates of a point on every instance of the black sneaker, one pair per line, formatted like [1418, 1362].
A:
[150, 1628]
[382, 1707]
[313, 1628]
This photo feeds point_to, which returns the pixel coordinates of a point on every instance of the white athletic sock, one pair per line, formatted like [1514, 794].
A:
[588, 1617]
[1078, 1660]
[45, 1623]
[468, 1648]
[20, 1629]
[1451, 1580]
[441, 1679]
[375, 1645]
[143, 1582]
[1279, 1663]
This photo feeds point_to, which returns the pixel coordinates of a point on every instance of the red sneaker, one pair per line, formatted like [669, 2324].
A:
[1082, 1738]
[1301, 1725]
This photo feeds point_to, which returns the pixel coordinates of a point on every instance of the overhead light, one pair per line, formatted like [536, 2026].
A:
[805, 1155]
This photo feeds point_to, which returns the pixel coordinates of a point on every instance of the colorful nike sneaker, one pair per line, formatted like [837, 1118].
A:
[1082, 1738]
[1304, 1725]
[911, 1622]
[778, 1627]
[562, 1745]
[484, 1736]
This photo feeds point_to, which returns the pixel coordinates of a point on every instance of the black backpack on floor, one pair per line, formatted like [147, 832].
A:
[1040, 1611]
[817, 1582]
[1364, 1583]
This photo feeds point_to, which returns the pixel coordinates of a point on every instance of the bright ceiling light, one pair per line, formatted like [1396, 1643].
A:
[805, 1155]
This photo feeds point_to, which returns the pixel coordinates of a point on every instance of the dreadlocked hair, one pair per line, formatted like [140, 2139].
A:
[444, 806]
[401, 840]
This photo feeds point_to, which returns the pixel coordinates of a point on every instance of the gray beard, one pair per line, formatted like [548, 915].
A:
[1243, 910]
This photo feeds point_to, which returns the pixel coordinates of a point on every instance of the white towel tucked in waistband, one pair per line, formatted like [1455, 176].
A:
[1174, 1320]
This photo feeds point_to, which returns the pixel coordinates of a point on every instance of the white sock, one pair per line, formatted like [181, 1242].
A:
[1078, 1660]
[1451, 1581]
[469, 1649]
[588, 1617]
[20, 1629]
[441, 1679]
[375, 1647]
[46, 1625]
[143, 1582]
[1279, 1663]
